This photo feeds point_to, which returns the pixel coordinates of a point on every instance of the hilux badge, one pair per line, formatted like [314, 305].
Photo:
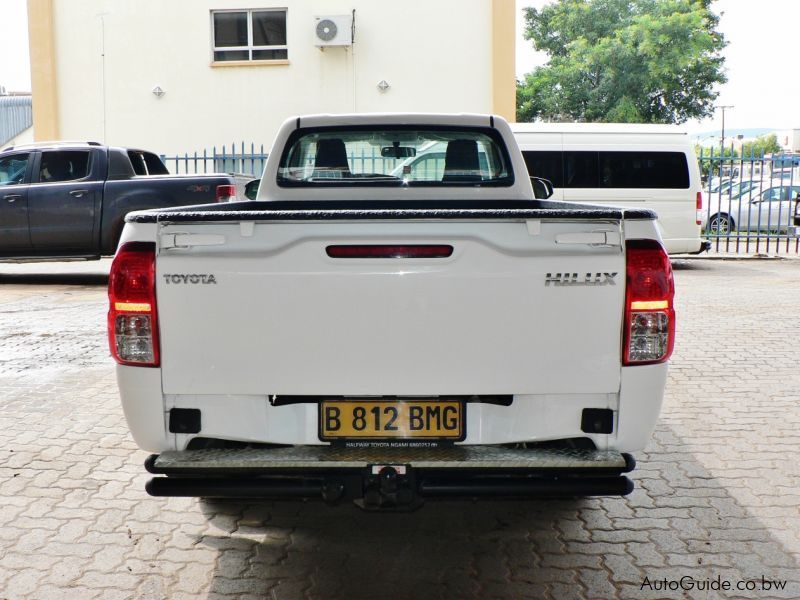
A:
[580, 279]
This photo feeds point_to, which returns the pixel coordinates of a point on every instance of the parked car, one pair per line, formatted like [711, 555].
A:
[718, 185]
[768, 209]
[70, 199]
[428, 163]
[796, 220]
[747, 188]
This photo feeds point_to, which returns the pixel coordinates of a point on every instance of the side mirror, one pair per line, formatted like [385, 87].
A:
[542, 188]
[251, 189]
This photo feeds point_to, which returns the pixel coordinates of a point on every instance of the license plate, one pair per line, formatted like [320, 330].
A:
[391, 420]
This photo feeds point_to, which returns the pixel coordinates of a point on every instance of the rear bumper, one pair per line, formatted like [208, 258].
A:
[389, 478]
[704, 247]
[692, 245]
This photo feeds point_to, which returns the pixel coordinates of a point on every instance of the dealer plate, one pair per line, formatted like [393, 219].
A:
[432, 419]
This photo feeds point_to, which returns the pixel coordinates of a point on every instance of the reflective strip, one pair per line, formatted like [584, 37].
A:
[649, 305]
[132, 306]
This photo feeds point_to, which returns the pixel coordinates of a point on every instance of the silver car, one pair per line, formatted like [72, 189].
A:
[767, 209]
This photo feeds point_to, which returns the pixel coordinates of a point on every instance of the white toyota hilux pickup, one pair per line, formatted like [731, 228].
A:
[365, 333]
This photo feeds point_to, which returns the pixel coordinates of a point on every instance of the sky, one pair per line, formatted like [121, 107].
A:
[763, 86]
[15, 73]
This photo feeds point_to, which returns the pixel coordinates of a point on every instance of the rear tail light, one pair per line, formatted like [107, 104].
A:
[649, 312]
[390, 251]
[699, 206]
[226, 193]
[132, 313]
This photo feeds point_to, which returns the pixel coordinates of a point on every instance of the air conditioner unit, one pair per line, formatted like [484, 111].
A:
[333, 31]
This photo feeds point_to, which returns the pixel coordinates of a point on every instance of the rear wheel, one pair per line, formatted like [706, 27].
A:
[720, 224]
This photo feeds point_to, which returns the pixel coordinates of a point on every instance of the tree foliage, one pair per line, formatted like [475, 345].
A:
[639, 61]
[763, 144]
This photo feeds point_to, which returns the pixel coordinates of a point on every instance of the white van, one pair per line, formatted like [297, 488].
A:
[647, 166]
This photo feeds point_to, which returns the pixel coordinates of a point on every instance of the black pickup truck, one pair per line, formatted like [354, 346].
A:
[70, 199]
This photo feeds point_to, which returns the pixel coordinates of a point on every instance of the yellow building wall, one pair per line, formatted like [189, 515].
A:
[44, 82]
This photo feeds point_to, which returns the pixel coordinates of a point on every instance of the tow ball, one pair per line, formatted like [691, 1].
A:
[390, 487]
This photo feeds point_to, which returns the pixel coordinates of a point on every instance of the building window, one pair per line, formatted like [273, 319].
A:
[258, 34]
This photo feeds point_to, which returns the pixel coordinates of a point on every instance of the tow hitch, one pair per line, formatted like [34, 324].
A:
[390, 487]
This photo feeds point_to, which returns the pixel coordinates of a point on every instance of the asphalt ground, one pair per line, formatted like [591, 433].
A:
[716, 505]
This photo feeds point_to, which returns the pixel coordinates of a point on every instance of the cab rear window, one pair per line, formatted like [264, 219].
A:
[395, 156]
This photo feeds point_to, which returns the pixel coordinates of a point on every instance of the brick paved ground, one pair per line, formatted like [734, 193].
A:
[717, 492]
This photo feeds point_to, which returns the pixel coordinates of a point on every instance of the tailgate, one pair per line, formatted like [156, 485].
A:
[260, 308]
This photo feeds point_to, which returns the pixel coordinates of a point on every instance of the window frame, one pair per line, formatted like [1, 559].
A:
[563, 160]
[25, 174]
[36, 176]
[492, 134]
[250, 47]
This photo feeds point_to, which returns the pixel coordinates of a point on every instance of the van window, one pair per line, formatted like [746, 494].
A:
[580, 170]
[644, 170]
[577, 169]
[548, 165]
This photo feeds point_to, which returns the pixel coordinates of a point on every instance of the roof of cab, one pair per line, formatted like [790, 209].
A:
[462, 119]
[52, 144]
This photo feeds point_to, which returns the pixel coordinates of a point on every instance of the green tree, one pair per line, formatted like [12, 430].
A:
[637, 61]
[763, 144]
[727, 152]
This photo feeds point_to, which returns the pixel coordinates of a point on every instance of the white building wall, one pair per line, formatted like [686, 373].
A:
[789, 140]
[110, 54]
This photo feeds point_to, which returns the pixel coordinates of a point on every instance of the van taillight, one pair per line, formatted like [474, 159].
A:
[226, 193]
[649, 312]
[699, 206]
[132, 313]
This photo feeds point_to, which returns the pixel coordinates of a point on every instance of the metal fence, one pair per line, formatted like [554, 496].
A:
[750, 203]
[16, 115]
[236, 158]
[244, 160]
